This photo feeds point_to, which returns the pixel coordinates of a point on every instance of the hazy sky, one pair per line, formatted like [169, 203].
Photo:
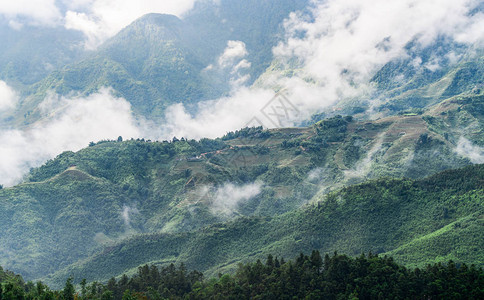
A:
[97, 19]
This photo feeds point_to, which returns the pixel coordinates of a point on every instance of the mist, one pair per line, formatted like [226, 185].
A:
[68, 124]
[473, 152]
[331, 55]
[363, 167]
[126, 214]
[224, 200]
[8, 97]
[228, 197]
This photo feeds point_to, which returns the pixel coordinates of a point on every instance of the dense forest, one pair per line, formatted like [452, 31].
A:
[306, 277]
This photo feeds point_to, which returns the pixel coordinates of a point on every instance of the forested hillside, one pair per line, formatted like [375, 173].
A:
[80, 203]
[418, 222]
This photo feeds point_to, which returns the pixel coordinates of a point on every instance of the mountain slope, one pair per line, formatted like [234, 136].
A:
[259, 24]
[138, 187]
[43, 220]
[30, 53]
[394, 216]
[152, 63]
[159, 60]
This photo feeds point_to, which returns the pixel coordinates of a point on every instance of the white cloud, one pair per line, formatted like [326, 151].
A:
[41, 12]
[330, 58]
[235, 50]
[350, 39]
[126, 213]
[70, 126]
[215, 118]
[97, 19]
[228, 197]
[232, 65]
[101, 19]
[363, 166]
[8, 97]
[473, 152]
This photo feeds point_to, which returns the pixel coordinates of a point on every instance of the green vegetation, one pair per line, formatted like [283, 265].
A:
[306, 277]
[153, 58]
[355, 183]
[80, 203]
[416, 221]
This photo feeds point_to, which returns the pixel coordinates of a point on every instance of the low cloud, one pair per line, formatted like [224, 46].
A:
[39, 12]
[235, 51]
[473, 152]
[344, 43]
[126, 214]
[70, 125]
[227, 198]
[315, 175]
[8, 97]
[363, 166]
[215, 118]
[232, 65]
[329, 56]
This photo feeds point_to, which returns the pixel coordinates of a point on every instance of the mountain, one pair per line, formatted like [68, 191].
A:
[445, 70]
[159, 60]
[396, 170]
[152, 63]
[418, 222]
[259, 24]
[29, 53]
[79, 203]
[411, 83]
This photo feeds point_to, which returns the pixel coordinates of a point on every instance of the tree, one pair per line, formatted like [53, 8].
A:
[107, 295]
[83, 288]
[316, 260]
[128, 295]
[69, 290]
[270, 261]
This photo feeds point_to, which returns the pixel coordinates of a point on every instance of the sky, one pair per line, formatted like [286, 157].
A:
[97, 19]
[336, 49]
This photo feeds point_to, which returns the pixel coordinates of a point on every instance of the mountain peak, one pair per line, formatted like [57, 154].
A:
[159, 19]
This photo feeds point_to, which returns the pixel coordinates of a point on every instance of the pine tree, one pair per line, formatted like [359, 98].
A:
[69, 290]
[316, 261]
[83, 288]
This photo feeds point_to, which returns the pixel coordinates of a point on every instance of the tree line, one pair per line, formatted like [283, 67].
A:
[306, 277]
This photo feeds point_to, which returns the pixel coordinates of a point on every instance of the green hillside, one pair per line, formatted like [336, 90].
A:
[425, 87]
[415, 221]
[80, 203]
[154, 58]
